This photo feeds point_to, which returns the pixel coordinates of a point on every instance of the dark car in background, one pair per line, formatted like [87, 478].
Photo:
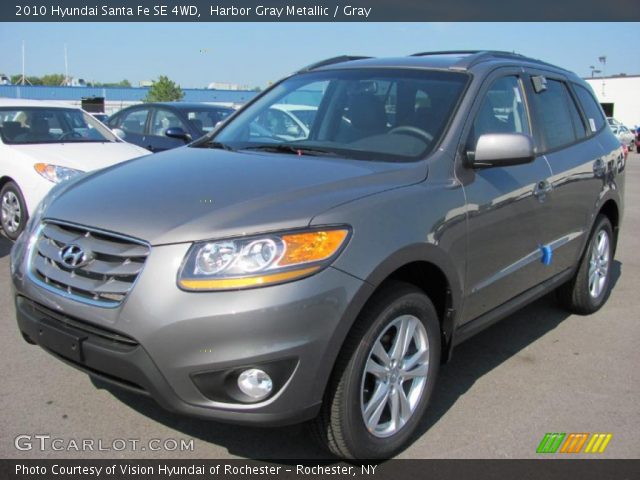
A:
[163, 126]
[102, 117]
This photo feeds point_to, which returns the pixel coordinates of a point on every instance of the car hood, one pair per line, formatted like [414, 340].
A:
[81, 156]
[190, 194]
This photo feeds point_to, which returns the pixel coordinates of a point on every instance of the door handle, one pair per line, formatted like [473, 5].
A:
[599, 168]
[541, 189]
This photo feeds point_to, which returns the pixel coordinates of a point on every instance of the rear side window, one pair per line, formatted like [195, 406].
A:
[557, 118]
[591, 108]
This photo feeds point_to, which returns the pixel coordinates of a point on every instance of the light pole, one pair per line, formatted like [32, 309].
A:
[603, 60]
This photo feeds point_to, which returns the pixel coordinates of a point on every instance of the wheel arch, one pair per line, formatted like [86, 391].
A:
[610, 210]
[424, 266]
[4, 180]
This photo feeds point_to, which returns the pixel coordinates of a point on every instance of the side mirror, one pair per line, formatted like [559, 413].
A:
[177, 132]
[118, 132]
[502, 150]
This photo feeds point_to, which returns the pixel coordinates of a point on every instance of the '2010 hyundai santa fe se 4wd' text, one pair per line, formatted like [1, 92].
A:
[269, 274]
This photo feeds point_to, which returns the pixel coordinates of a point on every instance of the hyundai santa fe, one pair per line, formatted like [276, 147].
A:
[251, 278]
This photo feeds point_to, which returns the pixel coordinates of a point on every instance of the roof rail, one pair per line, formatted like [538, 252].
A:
[331, 61]
[478, 56]
[482, 56]
[445, 52]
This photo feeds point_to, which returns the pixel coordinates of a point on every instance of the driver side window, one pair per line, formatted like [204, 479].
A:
[134, 121]
[164, 119]
[502, 111]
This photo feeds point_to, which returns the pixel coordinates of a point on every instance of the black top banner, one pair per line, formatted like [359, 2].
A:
[317, 10]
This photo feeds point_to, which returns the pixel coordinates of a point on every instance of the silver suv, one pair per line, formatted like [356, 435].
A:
[261, 277]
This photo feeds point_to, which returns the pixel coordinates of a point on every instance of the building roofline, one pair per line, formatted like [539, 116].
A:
[611, 77]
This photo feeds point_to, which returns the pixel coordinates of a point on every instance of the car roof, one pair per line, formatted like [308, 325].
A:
[288, 107]
[453, 60]
[22, 103]
[188, 105]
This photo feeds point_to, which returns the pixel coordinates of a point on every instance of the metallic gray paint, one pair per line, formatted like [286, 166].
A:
[473, 226]
[196, 193]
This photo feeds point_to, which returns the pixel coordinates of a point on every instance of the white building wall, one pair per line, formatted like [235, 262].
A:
[624, 93]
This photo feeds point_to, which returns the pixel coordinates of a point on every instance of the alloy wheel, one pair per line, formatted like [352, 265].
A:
[394, 377]
[11, 212]
[599, 264]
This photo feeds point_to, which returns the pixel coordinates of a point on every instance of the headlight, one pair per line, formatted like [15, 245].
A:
[259, 260]
[56, 173]
[38, 212]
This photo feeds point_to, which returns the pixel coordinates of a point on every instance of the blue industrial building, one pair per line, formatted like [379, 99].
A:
[118, 97]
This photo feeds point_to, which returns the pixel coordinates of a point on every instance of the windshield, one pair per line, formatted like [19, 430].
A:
[24, 125]
[370, 114]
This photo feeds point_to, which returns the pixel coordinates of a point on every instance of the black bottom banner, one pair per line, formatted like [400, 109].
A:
[546, 469]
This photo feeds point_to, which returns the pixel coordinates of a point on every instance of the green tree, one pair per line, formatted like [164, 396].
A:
[122, 83]
[53, 79]
[257, 89]
[164, 90]
[17, 80]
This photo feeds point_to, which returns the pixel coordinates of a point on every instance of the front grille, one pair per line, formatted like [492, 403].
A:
[111, 336]
[105, 280]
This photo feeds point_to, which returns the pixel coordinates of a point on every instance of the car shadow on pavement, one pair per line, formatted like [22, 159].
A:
[5, 245]
[471, 361]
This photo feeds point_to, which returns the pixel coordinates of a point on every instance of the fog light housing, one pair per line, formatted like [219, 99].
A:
[255, 383]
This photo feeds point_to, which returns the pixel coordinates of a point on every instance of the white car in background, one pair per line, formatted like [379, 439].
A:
[44, 143]
[287, 121]
[625, 135]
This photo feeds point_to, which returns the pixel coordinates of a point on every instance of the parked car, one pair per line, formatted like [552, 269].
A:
[637, 132]
[264, 281]
[42, 144]
[626, 136]
[285, 121]
[303, 115]
[162, 126]
[613, 122]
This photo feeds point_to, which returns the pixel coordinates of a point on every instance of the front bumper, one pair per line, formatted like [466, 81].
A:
[161, 336]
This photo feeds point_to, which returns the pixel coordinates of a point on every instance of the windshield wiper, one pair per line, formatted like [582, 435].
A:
[219, 145]
[293, 149]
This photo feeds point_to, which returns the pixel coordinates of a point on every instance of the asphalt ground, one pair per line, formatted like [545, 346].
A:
[540, 370]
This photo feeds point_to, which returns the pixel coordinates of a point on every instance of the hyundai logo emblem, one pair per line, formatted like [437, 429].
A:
[73, 256]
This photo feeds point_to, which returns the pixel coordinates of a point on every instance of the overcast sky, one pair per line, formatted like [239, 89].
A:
[253, 54]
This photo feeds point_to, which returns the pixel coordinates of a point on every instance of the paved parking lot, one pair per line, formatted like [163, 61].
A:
[541, 370]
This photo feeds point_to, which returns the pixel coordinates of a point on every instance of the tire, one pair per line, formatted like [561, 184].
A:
[588, 290]
[13, 211]
[352, 392]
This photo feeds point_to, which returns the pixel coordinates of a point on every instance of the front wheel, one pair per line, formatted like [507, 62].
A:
[589, 288]
[384, 376]
[13, 210]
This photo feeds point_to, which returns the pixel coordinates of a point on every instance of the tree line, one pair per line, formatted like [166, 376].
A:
[58, 79]
[162, 90]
